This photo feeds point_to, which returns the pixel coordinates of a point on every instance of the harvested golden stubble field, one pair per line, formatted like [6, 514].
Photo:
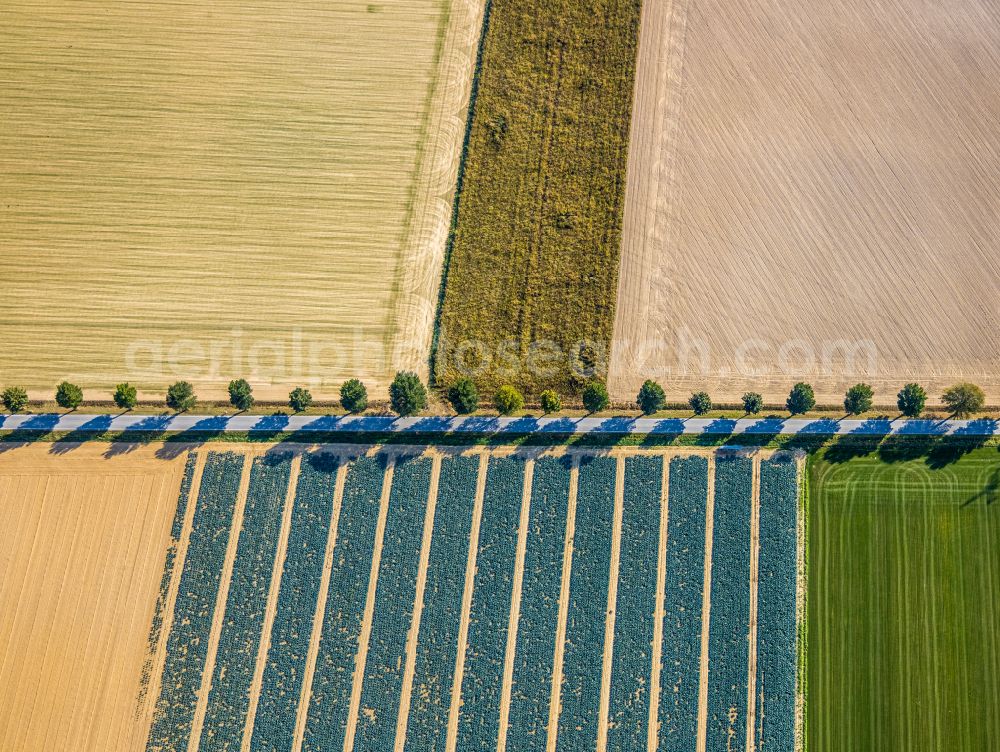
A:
[210, 191]
[83, 539]
[813, 192]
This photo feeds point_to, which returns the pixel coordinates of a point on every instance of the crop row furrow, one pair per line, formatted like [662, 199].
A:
[330, 696]
[437, 641]
[312, 512]
[631, 673]
[776, 590]
[394, 605]
[536, 630]
[229, 698]
[587, 609]
[187, 643]
[491, 602]
[683, 592]
[729, 628]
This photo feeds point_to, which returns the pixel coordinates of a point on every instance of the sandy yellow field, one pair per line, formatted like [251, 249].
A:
[205, 191]
[82, 547]
[814, 192]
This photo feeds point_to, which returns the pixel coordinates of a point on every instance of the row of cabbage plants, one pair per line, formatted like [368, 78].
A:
[274, 727]
[491, 601]
[394, 603]
[345, 606]
[243, 623]
[684, 587]
[729, 628]
[631, 672]
[187, 643]
[583, 650]
[776, 656]
[437, 641]
[176, 528]
[536, 630]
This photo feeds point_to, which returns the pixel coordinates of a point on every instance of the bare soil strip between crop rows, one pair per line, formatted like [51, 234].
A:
[366, 625]
[156, 674]
[754, 579]
[515, 606]
[270, 611]
[418, 607]
[312, 654]
[659, 613]
[603, 717]
[706, 608]
[555, 696]
[219, 614]
[451, 740]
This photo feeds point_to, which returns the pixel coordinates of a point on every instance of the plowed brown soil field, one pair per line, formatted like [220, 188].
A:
[814, 193]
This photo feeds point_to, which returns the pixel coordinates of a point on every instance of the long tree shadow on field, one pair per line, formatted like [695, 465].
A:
[760, 433]
[814, 435]
[664, 433]
[33, 429]
[860, 442]
[92, 429]
[990, 493]
[952, 448]
[144, 432]
[201, 432]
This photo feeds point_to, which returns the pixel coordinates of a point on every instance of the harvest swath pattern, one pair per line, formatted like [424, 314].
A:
[409, 649]
[159, 147]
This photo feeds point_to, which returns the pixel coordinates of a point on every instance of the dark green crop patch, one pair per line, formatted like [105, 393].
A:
[533, 265]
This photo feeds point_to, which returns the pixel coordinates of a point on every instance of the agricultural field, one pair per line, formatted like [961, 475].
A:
[416, 598]
[904, 604]
[533, 266]
[83, 541]
[813, 193]
[167, 172]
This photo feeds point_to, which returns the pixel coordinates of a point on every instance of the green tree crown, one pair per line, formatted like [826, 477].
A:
[407, 394]
[354, 396]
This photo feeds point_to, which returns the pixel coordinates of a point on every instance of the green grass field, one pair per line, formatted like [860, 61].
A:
[537, 240]
[904, 605]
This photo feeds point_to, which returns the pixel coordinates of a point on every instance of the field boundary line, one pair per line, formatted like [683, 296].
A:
[413, 635]
[316, 633]
[610, 615]
[515, 606]
[801, 588]
[270, 611]
[369, 616]
[555, 693]
[451, 741]
[156, 673]
[659, 612]
[706, 609]
[751, 743]
[221, 602]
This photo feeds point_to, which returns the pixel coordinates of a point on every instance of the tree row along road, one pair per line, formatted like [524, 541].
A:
[488, 425]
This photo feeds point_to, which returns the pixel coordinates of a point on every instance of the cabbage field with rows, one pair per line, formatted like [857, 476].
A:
[433, 600]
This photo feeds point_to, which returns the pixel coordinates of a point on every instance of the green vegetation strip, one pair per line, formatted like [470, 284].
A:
[535, 251]
[904, 602]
